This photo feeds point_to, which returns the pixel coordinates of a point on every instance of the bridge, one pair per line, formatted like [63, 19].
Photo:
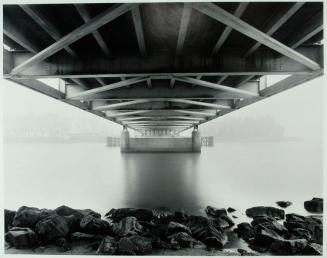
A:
[163, 66]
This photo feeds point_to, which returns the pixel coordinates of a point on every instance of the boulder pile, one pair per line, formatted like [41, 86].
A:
[129, 231]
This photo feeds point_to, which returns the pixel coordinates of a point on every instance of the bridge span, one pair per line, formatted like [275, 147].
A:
[163, 66]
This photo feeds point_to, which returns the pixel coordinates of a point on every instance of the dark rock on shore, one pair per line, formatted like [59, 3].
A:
[312, 249]
[315, 205]
[140, 214]
[134, 245]
[265, 211]
[215, 212]
[245, 231]
[183, 239]
[52, 227]
[230, 210]
[108, 246]
[204, 230]
[78, 213]
[288, 247]
[163, 213]
[77, 236]
[21, 238]
[9, 218]
[174, 227]
[92, 225]
[62, 244]
[127, 226]
[284, 204]
[29, 216]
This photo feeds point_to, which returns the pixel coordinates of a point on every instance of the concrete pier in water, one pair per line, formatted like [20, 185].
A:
[160, 144]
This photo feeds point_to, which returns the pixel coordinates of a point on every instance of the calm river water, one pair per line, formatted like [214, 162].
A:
[238, 175]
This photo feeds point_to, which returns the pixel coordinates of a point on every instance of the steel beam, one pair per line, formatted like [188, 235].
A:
[277, 24]
[238, 13]
[83, 12]
[112, 86]
[160, 117]
[187, 10]
[215, 86]
[112, 13]
[137, 20]
[228, 19]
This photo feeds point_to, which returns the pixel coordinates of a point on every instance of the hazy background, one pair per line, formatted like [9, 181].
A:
[241, 170]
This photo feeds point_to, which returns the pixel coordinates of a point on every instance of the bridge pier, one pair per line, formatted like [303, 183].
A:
[196, 140]
[124, 140]
[160, 144]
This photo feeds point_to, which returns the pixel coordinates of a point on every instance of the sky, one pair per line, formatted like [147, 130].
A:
[299, 110]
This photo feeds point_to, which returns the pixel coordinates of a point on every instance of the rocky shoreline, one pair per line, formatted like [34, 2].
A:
[131, 231]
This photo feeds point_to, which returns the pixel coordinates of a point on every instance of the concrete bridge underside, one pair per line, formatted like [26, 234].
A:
[163, 66]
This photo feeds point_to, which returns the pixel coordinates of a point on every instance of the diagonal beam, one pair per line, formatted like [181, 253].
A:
[172, 82]
[112, 13]
[43, 22]
[11, 30]
[222, 78]
[275, 26]
[137, 112]
[199, 103]
[101, 81]
[238, 13]
[84, 94]
[196, 113]
[237, 24]
[83, 12]
[309, 29]
[215, 86]
[187, 10]
[123, 104]
[139, 29]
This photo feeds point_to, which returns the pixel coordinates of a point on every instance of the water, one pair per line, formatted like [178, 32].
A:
[238, 175]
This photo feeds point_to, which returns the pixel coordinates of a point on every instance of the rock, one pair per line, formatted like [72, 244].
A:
[288, 247]
[265, 211]
[204, 230]
[77, 236]
[230, 210]
[298, 233]
[312, 224]
[265, 237]
[62, 243]
[293, 217]
[140, 214]
[312, 249]
[73, 223]
[235, 217]
[9, 218]
[272, 225]
[108, 246]
[261, 219]
[134, 245]
[92, 225]
[315, 205]
[21, 238]
[229, 221]
[174, 227]
[185, 240]
[215, 212]
[245, 252]
[127, 226]
[245, 231]
[163, 213]
[78, 213]
[284, 204]
[52, 227]
[260, 249]
[180, 215]
[29, 216]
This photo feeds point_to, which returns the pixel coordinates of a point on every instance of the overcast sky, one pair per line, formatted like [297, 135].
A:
[299, 110]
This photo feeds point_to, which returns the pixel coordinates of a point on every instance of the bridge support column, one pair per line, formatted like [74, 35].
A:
[196, 140]
[124, 140]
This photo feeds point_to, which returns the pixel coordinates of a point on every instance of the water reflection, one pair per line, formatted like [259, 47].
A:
[153, 180]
